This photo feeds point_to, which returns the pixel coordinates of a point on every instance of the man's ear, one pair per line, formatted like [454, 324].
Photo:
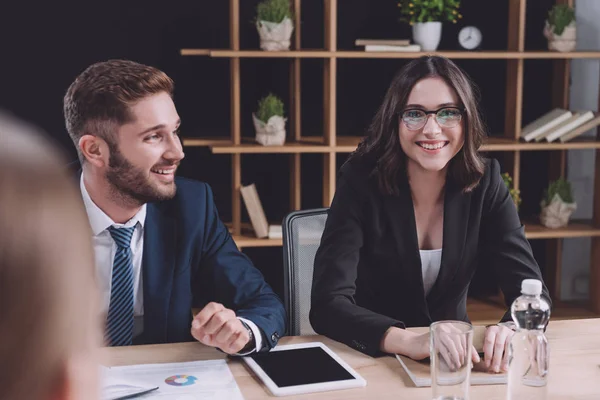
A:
[94, 149]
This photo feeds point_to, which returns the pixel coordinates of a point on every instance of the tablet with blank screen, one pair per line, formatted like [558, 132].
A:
[303, 368]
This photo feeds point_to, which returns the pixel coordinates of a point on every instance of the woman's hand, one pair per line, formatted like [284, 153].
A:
[495, 347]
[451, 344]
[416, 346]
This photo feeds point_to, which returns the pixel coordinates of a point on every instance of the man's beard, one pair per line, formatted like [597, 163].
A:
[131, 185]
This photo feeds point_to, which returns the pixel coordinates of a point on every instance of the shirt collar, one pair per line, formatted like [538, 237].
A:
[99, 221]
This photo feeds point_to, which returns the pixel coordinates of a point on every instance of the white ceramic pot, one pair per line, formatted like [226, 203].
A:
[557, 213]
[427, 35]
[272, 133]
[275, 36]
[567, 41]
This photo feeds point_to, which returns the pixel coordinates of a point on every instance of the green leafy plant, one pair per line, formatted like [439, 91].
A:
[273, 10]
[429, 10]
[560, 16]
[560, 187]
[514, 193]
[269, 106]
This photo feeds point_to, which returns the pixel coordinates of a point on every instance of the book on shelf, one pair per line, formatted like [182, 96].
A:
[390, 42]
[581, 129]
[578, 118]
[419, 372]
[544, 123]
[386, 47]
[559, 128]
[255, 211]
[275, 232]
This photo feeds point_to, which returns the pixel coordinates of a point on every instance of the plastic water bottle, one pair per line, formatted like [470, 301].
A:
[528, 351]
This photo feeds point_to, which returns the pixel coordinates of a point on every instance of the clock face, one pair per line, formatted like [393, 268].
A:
[469, 37]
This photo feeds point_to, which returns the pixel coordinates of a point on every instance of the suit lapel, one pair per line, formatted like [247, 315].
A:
[402, 221]
[158, 264]
[456, 220]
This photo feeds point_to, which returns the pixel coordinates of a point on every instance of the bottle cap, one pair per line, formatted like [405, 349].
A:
[532, 287]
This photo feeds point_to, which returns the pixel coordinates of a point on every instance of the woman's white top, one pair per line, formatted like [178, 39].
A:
[430, 267]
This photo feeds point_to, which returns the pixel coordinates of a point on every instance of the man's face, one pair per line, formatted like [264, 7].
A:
[147, 152]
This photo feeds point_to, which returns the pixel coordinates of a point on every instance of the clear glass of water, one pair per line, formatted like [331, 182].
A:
[450, 352]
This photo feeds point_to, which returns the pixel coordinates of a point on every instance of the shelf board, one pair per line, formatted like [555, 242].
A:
[534, 230]
[505, 144]
[195, 52]
[475, 55]
[206, 141]
[347, 144]
[316, 53]
[293, 147]
[253, 241]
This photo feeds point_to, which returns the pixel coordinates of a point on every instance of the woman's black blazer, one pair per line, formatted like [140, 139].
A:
[367, 272]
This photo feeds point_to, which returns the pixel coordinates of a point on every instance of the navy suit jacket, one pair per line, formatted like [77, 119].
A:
[189, 260]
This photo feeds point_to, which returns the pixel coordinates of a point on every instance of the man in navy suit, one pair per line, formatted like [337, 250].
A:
[159, 244]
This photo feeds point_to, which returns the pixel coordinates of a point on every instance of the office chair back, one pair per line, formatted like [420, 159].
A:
[302, 231]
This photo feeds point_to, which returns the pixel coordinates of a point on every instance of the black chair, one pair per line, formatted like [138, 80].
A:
[302, 232]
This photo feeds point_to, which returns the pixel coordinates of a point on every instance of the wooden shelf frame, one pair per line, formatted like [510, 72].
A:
[329, 144]
[345, 54]
[347, 144]
[533, 231]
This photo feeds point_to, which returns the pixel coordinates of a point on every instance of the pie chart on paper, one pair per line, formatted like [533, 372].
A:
[181, 380]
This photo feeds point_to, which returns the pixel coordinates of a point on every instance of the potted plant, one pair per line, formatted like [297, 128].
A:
[274, 24]
[269, 121]
[514, 193]
[558, 204]
[426, 18]
[560, 29]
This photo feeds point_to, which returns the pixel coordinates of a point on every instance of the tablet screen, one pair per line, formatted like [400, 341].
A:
[301, 367]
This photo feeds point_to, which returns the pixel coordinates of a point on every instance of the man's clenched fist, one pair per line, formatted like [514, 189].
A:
[218, 326]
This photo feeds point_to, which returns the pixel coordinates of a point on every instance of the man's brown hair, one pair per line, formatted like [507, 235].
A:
[98, 101]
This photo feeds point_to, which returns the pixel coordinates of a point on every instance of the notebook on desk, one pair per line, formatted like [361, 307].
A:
[420, 373]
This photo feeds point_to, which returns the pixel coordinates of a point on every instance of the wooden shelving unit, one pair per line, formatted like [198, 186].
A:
[347, 144]
[318, 53]
[252, 241]
[329, 144]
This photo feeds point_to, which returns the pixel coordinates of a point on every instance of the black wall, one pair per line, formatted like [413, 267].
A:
[44, 45]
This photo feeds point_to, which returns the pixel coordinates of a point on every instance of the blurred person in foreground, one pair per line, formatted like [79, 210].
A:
[47, 349]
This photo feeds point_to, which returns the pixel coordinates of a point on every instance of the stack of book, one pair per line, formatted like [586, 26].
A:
[387, 45]
[560, 125]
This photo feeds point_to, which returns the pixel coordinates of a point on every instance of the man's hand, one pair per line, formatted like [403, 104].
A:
[217, 326]
[495, 347]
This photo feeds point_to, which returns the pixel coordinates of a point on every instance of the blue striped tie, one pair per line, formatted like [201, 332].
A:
[119, 327]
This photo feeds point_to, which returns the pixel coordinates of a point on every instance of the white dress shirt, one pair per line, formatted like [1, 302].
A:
[431, 261]
[105, 249]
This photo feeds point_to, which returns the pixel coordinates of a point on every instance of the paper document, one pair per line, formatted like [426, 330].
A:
[210, 379]
[420, 373]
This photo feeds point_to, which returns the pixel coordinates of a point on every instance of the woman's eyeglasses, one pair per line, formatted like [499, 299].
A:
[446, 117]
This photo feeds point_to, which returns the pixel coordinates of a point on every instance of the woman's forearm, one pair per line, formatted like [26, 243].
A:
[397, 341]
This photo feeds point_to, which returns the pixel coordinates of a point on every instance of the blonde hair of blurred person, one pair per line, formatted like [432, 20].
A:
[48, 327]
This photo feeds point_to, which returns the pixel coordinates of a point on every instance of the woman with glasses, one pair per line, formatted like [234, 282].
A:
[416, 212]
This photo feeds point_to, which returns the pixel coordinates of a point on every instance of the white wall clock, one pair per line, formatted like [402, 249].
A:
[470, 37]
